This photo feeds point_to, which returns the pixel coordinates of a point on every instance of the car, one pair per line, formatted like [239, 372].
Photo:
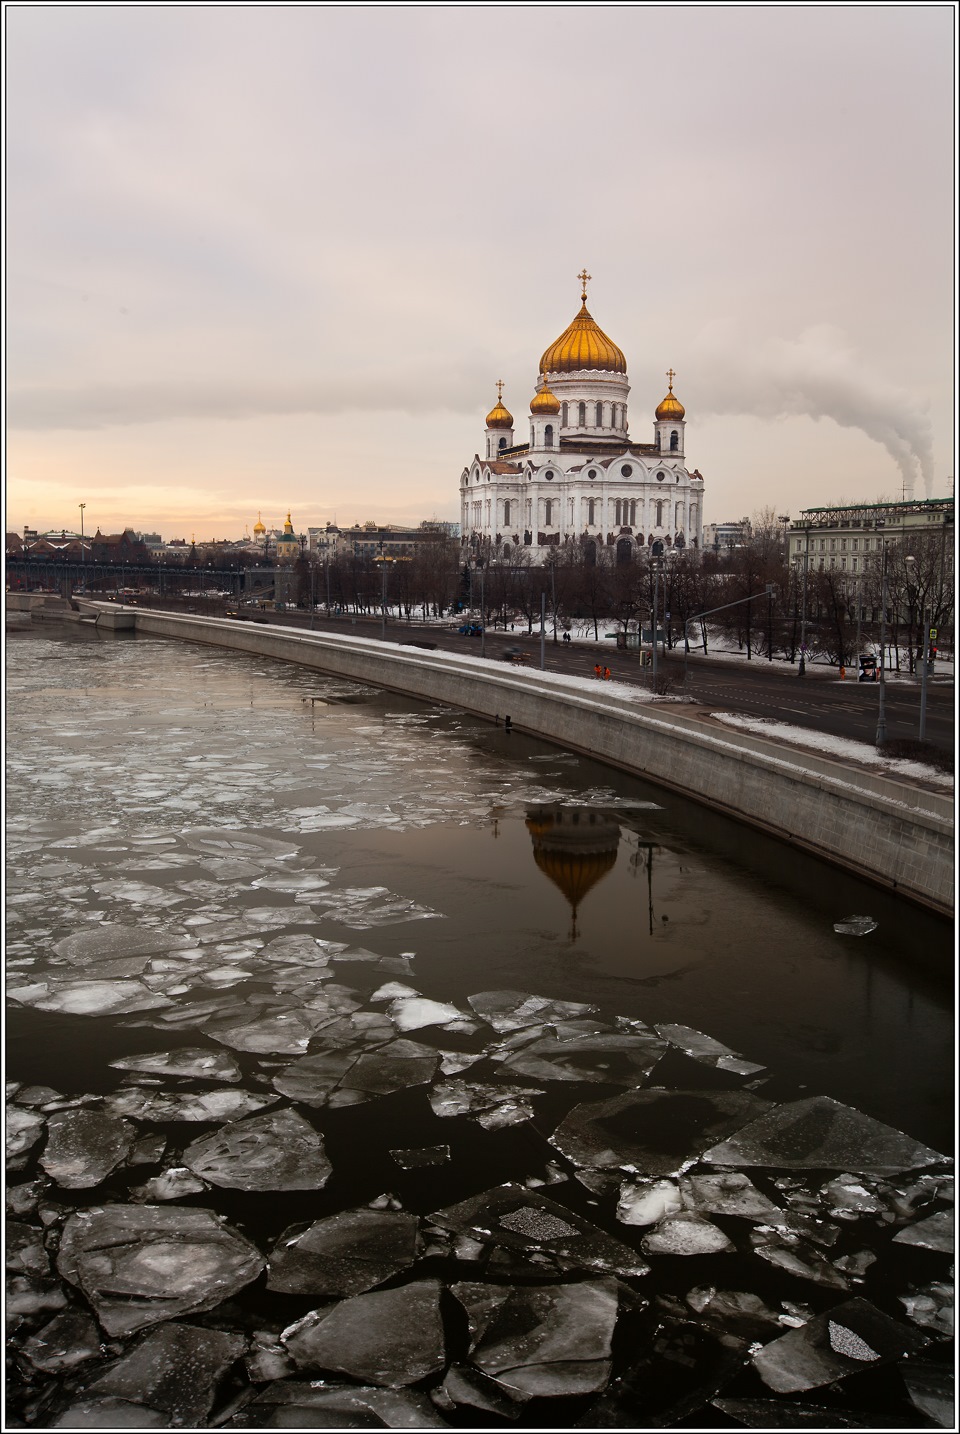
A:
[470, 629]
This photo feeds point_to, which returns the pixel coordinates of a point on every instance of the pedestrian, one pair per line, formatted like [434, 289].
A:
[566, 637]
[606, 674]
[598, 671]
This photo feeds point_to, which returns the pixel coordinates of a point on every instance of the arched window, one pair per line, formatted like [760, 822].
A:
[548, 511]
[503, 443]
[613, 415]
[548, 436]
[563, 415]
[582, 415]
[674, 441]
[659, 514]
[591, 511]
[633, 511]
[599, 415]
[506, 513]
[658, 441]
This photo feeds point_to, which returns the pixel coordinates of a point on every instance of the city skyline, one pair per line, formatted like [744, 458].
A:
[265, 260]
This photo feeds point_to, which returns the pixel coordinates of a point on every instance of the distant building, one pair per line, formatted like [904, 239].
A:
[580, 479]
[717, 537]
[850, 538]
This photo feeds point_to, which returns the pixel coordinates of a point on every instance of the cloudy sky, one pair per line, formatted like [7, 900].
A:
[269, 258]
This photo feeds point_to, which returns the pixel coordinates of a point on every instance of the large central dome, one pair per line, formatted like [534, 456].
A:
[583, 345]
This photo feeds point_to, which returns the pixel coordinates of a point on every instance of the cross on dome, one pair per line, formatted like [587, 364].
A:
[671, 375]
[583, 276]
[499, 388]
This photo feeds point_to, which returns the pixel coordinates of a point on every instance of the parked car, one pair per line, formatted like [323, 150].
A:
[470, 629]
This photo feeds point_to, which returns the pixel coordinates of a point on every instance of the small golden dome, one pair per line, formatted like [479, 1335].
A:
[583, 344]
[670, 407]
[543, 400]
[259, 526]
[499, 416]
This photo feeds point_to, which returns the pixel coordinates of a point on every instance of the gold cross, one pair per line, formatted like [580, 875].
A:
[583, 276]
[671, 375]
[499, 389]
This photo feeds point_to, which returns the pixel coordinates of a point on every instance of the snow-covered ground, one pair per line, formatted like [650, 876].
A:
[843, 747]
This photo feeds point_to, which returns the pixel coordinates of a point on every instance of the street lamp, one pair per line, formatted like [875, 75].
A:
[881, 702]
[83, 555]
[802, 669]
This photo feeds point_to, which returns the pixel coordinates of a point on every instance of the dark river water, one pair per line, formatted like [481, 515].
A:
[220, 804]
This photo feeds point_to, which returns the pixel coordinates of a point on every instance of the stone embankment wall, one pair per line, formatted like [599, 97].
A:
[884, 830]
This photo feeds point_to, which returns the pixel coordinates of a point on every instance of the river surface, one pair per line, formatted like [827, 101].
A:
[164, 790]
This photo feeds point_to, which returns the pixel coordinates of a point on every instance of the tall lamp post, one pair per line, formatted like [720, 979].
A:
[83, 554]
[925, 658]
[802, 669]
[881, 701]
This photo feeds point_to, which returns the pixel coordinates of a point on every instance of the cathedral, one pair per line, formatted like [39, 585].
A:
[579, 479]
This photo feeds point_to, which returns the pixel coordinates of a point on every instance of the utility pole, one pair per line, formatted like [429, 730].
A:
[881, 700]
[543, 630]
[802, 669]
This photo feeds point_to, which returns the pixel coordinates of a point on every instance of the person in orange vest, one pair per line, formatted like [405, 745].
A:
[598, 671]
[606, 674]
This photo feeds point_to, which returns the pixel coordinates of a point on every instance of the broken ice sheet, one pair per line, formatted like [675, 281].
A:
[276, 1151]
[855, 926]
[657, 1132]
[706, 1050]
[646, 1202]
[820, 1133]
[931, 1390]
[22, 1130]
[733, 1312]
[194, 1063]
[547, 1340]
[512, 1010]
[778, 1414]
[84, 1146]
[175, 1368]
[686, 1234]
[789, 1252]
[99, 998]
[229, 1104]
[612, 1059]
[172, 1184]
[850, 1337]
[71, 1338]
[391, 1337]
[729, 1193]
[344, 1254]
[410, 1013]
[934, 1233]
[297, 1404]
[462, 1097]
[524, 1220]
[139, 1265]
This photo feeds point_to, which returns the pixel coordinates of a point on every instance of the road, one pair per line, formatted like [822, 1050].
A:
[819, 701]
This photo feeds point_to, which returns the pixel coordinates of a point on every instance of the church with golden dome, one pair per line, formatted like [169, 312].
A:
[575, 476]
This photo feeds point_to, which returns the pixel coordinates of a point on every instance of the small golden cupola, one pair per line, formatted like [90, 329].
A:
[543, 400]
[259, 527]
[583, 344]
[499, 415]
[669, 407]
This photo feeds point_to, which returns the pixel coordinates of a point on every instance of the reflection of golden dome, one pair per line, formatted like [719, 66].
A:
[583, 345]
[544, 401]
[259, 527]
[499, 416]
[575, 847]
[670, 407]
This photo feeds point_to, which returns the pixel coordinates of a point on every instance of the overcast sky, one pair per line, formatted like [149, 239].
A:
[275, 258]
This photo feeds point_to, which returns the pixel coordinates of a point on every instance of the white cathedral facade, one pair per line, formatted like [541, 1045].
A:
[578, 478]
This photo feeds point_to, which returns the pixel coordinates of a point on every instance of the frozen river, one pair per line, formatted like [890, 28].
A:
[309, 968]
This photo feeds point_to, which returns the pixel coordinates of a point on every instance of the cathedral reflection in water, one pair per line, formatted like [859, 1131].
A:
[576, 847]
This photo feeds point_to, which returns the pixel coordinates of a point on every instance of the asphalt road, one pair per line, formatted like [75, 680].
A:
[819, 701]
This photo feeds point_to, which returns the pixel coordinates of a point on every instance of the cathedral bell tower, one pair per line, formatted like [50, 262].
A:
[544, 419]
[499, 433]
[669, 426]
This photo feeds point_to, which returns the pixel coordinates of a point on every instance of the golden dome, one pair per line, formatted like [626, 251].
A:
[259, 527]
[499, 417]
[670, 407]
[583, 344]
[543, 400]
[574, 847]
